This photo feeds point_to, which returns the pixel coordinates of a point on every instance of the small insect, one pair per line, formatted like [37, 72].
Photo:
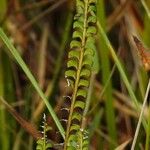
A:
[143, 52]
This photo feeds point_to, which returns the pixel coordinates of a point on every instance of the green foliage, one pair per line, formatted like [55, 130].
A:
[4, 142]
[3, 9]
[83, 140]
[79, 141]
[43, 143]
[106, 71]
[79, 65]
[118, 88]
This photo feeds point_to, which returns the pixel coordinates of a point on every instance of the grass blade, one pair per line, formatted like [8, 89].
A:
[24, 67]
[122, 73]
[4, 138]
[106, 71]
[141, 117]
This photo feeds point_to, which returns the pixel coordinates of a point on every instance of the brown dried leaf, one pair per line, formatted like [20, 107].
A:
[30, 128]
[143, 52]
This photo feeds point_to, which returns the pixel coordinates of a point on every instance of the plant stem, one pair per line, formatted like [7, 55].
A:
[105, 64]
[141, 117]
[148, 132]
[4, 140]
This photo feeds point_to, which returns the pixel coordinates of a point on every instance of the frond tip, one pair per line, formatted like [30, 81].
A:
[43, 143]
[79, 141]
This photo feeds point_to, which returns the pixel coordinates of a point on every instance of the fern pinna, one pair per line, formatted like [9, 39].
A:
[79, 66]
[82, 139]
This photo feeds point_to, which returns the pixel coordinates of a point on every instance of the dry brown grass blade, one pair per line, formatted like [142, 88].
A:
[144, 54]
[123, 145]
[30, 128]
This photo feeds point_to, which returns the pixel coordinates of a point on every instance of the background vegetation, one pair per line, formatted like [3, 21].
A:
[41, 32]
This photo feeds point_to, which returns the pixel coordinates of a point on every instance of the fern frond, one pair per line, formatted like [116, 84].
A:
[79, 141]
[43, 143]
[80, 60]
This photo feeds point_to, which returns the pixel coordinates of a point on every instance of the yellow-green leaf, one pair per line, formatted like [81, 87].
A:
[72, 63]
[71, 73]
[79, 104]
[84, 83]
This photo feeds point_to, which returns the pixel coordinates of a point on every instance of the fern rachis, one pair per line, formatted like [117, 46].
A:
[80, 61]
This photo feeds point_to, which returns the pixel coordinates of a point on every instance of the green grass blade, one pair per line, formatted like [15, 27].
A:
[122, 73]
[3, 9]
[146, 8]
[147, 143]
[105, 67]
[24, 67]
[4, 139]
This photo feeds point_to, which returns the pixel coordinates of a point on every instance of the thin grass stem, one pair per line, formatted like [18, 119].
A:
[140, 117]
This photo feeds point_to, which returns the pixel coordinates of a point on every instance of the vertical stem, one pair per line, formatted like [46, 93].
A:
[3, 132]
[147, 144]
[105, 64]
